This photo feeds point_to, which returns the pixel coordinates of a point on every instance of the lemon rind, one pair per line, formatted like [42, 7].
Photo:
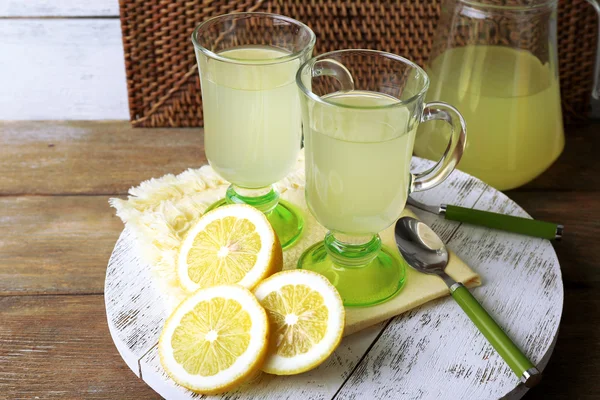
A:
[243, 368]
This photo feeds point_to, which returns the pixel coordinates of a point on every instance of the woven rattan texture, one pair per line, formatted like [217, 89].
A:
[163, 82]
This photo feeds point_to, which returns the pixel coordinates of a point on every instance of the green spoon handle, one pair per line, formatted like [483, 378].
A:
[516, 360]
[524, 226]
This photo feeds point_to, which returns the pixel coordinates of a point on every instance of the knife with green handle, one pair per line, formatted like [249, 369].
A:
[509, 223]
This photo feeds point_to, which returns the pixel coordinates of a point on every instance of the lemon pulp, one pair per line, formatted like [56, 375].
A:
[211, 337]
[298, 317]
[223, 252]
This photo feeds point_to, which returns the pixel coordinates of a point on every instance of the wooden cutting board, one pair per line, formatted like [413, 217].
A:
[431, 352]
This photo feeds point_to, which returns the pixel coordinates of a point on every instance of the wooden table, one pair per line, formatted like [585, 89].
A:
[58, 232]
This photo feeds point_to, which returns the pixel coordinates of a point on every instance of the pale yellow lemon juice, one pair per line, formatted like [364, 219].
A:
[510, 101]
[358, 158]
[252, 115]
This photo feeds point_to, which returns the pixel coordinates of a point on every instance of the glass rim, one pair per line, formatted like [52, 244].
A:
[483, 4]
[288, 57]
[393, 56]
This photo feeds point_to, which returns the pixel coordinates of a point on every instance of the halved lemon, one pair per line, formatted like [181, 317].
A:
[215, 339]
[306, 317]
[230, 244]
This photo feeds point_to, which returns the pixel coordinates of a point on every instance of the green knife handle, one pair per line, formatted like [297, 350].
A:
[516, 360]
[524, 226]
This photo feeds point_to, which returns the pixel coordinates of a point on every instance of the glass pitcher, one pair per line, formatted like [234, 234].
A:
[496, 61]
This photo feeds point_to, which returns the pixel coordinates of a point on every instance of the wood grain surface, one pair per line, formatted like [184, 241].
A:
[578, 168]
[62, 69]
[91, 157]
[93, 161]
[62, 8]
[58, 347]
[56, 244]
[574, 369]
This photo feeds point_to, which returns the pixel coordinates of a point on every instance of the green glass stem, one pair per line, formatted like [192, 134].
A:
[263, 199]
[286, 220]
[363, 271]
[351, 252]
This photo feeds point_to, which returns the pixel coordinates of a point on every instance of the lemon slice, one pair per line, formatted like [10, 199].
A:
[306, 318]
[215, 339]
[231, 244]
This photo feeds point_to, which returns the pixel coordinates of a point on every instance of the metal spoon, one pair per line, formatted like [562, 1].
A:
[424, 251]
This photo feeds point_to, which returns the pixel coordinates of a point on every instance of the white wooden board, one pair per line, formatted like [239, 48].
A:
[62, 69]
[432, 352]
[59, 8]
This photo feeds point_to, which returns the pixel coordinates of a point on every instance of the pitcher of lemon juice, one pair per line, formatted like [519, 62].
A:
[252, 123]
[360, 113]
[497, 63]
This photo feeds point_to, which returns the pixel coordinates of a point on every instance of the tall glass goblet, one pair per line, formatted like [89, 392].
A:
[252, 118]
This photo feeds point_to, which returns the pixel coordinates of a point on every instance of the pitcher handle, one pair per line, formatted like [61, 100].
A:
[454, 151]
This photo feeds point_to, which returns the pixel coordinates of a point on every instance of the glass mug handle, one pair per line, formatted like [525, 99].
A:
[335, 69]
[435, 175]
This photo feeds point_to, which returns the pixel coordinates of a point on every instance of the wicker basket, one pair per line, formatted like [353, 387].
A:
[163, 82]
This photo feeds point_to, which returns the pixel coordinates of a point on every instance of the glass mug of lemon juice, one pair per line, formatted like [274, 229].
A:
[252, 122]
[360, 110]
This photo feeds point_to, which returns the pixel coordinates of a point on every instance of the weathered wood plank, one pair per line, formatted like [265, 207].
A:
[63, 8]
[573, 371]
[578, 167]
[459, 189]
[135, 317]
[62, 69]
[580, 213]
[577, 354]
[91, 157]
[522, 290]
[55, 244]
[58, 347]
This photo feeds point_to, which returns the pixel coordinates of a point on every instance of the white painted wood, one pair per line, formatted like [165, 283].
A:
[126, 265]
[432, 352]
[458, 189]
[522, 290]
[59, 8]
[135, 318]
[62, 69]
[320, 383]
